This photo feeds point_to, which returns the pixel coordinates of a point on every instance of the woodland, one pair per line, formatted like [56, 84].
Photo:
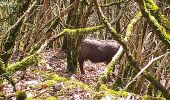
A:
[41, 41]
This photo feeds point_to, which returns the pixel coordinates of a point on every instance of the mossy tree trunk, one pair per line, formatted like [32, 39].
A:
[71, 21]
[76, 18]
[158, 22]
[71, 54]
[69, 42]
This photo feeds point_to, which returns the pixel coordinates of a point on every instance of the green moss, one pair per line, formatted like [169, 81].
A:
[21, 95]
[103, 78]
[81, 31]
[114, 95]
[52, 78]
[2, 66]
[30, 98]
[158, 20]
[146, 97]
[103, 87]
[150, 4]
[108, 71]
[118, 93]
[49, 82]
[150, 89]
[72, 84]
[23, 64]
[57, 78]
[130, 26]
[98, 95]
[1, 81]
[51, 98]
[160, 28]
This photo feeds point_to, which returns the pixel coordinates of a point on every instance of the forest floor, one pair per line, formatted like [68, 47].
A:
[32, 80]
[55, 60]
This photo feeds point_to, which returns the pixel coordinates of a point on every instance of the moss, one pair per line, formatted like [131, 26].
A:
[108, 71]
[150, 89]
[146, 97]
[81, 31]
[103, 78]
[52, 78]
[58, 78]
[159, 23]
[21, 95]
[118, 93]
[98, 95]
[68, 84]
[51, 98]
[2, 66]
[21, 46]
[30, 98]
[114, 95]
[164, 34]
[1, 81]
[72, 84]
[103, 87]
[130, 26]
[150, 4]
[23, 64]
[49, 83]
[71, 53]
[158, 20]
